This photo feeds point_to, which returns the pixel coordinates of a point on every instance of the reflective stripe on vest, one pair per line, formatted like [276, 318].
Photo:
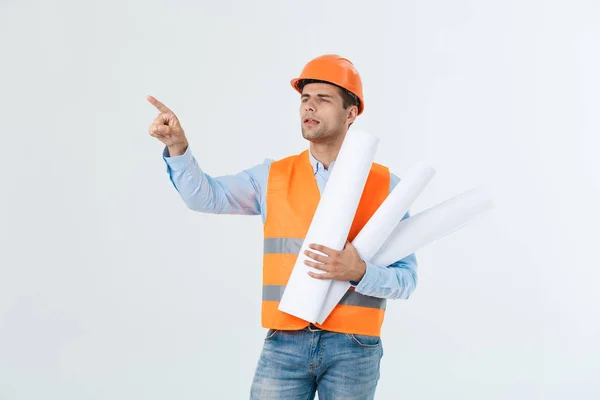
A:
[293, 246]
[351, 298]
[282, 245]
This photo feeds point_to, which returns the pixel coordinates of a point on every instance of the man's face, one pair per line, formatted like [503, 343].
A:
[322, 114]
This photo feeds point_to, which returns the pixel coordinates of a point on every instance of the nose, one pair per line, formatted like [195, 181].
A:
[309, 105]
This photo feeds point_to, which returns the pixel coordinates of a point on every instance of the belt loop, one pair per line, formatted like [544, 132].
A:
[313, 328]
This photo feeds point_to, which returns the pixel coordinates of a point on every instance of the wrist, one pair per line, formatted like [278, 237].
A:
[362, 271]
[177, 150]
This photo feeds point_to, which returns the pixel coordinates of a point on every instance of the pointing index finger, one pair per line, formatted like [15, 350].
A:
[160, 106]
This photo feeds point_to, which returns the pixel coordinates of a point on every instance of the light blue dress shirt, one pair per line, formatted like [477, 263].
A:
[244, 193]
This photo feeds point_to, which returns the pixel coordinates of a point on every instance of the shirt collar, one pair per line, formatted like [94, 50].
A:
[318, 165]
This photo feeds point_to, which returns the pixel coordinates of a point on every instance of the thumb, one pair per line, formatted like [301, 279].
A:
[169, 119]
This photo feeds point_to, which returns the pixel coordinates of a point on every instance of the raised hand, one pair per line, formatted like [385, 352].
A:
[167, 129]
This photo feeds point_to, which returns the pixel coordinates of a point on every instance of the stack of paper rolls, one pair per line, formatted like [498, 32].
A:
[384, 239]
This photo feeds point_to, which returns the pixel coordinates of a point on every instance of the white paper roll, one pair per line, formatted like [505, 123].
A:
[431, 225]
[390, 212]
[331, 223]
[379, 227]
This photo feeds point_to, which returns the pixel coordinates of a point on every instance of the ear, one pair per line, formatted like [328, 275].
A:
[352, 114]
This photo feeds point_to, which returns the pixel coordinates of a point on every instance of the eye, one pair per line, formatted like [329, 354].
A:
[325, 100]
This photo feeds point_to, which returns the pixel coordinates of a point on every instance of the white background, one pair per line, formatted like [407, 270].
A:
[110, 288]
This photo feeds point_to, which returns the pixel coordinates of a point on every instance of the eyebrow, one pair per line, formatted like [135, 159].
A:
[319, 95]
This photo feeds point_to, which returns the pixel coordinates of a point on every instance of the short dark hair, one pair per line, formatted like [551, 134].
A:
[348, 98]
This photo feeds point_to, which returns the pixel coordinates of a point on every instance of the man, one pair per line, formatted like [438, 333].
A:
[340, 358]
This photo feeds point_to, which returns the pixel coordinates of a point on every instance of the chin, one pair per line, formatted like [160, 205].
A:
[311, 134]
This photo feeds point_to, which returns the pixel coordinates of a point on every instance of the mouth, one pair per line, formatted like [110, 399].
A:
[310, 122]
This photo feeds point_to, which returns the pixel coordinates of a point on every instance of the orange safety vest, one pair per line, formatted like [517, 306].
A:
[292, 199]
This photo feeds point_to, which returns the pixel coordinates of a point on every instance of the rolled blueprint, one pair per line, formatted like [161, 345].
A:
[379, 227]
[331, 223]
[431, 225]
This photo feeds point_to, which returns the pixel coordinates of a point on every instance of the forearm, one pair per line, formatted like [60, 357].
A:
[203, 193]
[396, 281]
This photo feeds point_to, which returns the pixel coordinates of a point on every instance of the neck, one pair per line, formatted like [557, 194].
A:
[326, 152]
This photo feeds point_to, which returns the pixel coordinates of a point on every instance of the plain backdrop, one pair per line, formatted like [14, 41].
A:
[110, 288]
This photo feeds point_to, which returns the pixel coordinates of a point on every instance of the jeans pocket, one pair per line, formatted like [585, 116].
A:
[365, 340]
[270, 334]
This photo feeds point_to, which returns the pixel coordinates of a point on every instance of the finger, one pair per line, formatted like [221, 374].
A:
[316, 256]
[318, 275]
[164, 130]
[154, 130]
[164, 120]
[319, 266]
[159, 106]
[322, 249]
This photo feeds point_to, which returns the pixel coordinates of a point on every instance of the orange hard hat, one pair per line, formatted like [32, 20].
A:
[332, 68]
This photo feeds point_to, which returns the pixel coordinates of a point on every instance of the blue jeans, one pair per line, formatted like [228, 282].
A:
[296, 364]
